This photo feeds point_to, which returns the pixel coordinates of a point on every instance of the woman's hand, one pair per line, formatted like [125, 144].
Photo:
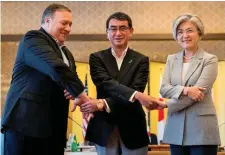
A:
[195, 93]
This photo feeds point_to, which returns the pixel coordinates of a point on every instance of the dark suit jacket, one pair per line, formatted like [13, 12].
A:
[35, 104]
[117, 87]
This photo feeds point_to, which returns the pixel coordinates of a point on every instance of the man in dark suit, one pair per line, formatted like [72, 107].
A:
[120, 75]
[34, 120]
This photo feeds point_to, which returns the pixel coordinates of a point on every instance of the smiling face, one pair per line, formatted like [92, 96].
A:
[59, 26]
[188, 36]
[119, 33]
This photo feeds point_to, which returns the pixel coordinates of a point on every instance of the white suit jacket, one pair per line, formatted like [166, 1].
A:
[189, 122]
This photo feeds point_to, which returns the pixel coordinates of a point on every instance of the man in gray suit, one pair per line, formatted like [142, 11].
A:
[192, 127]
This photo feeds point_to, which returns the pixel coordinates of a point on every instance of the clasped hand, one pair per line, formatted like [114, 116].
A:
[87, 105]
[196, 93]
[149, 102]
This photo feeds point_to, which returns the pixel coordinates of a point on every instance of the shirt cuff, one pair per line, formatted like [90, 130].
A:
[83, 92]
[132, 99]
[107, 106]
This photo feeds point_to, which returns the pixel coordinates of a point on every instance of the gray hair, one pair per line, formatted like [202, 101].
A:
[51, 9]
[188, 17]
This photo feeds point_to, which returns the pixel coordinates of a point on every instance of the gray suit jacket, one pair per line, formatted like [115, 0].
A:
[189, 122]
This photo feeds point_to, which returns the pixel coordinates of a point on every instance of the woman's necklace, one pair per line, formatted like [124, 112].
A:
[188, 58]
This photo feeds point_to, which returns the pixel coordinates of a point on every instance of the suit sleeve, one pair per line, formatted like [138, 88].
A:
[40, 55]
[206, 80]
[104, 81]
[167, 90]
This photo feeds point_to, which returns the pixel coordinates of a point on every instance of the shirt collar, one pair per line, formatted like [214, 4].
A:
[122, 56]
[58, 42]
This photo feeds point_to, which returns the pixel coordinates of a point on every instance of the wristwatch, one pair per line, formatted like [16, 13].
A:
[100, 105]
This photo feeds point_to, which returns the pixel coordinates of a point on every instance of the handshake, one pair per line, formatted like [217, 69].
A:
[90, 105]
[87, 105]
[150, 103]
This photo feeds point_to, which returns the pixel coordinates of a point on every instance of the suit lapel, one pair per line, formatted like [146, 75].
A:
[178, 68]
[53, 42]
[70, 58]
[112, 67]
[194, 65]
[110, 63]
[57, 49]
[128, 61]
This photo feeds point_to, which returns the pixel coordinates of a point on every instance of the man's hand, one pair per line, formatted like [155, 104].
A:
[79, 102]
[76, 102]
[82, 98]
[67, 95]
[148, 102]
[160, 104]
[195, 93]
[90, 106]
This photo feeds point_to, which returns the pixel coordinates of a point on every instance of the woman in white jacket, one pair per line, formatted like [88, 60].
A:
[192, 126]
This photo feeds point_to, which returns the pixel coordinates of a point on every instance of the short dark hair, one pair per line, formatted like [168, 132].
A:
[119, 16]
[51, 9]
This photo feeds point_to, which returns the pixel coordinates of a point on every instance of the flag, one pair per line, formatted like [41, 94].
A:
[85, 119]
[161, 124]
[85, 124]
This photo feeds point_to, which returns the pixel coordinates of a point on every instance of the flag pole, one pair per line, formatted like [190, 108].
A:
[161, 124]
[84, 119]
[148, 113]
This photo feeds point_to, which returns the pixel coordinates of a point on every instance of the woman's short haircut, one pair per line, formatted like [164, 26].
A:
[188, 17]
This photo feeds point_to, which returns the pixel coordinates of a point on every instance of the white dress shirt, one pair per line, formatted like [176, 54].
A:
[119, 61]
[184, 70]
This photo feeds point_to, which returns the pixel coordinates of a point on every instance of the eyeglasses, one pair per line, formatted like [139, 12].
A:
[187, 32]
[121, 29]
